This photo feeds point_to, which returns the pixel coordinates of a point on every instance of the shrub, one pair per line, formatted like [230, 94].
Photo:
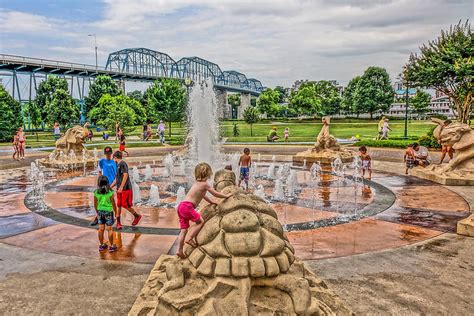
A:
[429, 140]
[385, 143]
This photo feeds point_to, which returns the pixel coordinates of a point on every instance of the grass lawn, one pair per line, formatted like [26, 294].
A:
[307, 131]
[304, 131]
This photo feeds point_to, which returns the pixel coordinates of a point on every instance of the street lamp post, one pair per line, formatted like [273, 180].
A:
[95, 42]
[405, 134]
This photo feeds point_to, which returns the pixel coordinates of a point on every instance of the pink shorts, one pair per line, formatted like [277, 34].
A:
[186, 213]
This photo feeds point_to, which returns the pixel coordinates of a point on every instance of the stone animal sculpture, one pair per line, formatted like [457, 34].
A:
[244, 264]
[325, 141]
[73, 140]
[461, 137]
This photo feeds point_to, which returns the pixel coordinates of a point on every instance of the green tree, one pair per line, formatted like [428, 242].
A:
[267, 102]
[283, 94]
[136, 95]
[62, 109]
[328, 94]
[447, 64]
[234, 99]
[374, 92]
[251, 116]
[420, 103]
[137, 107]
[10, 115]
[305, 100]
[167, 100]
[45, 91]
[112, 109]
[348, 102]
[102, 85]
[32, 111]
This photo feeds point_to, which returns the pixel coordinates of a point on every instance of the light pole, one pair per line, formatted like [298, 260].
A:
[95, 42]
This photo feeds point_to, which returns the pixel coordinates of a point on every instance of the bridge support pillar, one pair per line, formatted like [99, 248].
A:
[223, 108]
[244, 103]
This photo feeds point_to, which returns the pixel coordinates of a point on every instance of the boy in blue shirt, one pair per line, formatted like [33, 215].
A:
[108, 168]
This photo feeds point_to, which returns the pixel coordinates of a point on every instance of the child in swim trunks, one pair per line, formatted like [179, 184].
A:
[187, 208]
[409, 158]
[244, 162]
[366, 161]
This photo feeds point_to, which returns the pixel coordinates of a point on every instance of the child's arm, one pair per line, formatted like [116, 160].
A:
[95, 203]
[114, 206]
[240, 161]
[217, 194]
[250, 161]
[208, 200]
[124, 180]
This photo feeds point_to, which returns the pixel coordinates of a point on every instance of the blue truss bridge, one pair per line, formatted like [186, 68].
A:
[22, 75]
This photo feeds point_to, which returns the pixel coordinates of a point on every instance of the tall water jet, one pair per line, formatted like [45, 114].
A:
[203, 125]
[136, 193]
[278, 192]
[135, 175]
[271, 171]
[154, 195]
[260, 192]
[168, 162]
[148, 172]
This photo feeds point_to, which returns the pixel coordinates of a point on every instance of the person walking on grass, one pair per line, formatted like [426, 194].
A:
[385, 129]
[245, 162]
[286, 133]
[124, 190]
[161, 131]
[105, 207]
[187, 208]
[380, 127]
[108, 168]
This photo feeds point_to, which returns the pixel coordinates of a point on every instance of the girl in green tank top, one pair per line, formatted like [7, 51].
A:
[104, 204]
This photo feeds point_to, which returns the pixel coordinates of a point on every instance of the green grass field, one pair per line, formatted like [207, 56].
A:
[304, 131]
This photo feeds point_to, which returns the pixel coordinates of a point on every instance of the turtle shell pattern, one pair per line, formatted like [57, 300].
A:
[241, 237]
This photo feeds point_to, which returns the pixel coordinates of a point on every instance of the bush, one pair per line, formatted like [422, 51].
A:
[385, 143]
[429, 140]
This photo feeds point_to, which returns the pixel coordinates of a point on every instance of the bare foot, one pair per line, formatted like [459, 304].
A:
[192, 243]
[181, 255]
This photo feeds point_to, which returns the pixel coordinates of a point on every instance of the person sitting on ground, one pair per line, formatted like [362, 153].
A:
[105, 136]
[272, 136]
[366, 162]
[422, 155]
[445, 149]
[409, 158]
[186, 209]
[104, 204]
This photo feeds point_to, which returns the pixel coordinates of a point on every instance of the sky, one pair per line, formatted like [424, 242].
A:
[274, 41]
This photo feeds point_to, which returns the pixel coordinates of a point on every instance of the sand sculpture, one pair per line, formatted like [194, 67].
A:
[70, 149]
[325, 150]
[244, 265]
[461, 137]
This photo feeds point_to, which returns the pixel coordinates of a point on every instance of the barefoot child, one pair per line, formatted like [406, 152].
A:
[366, 162]
[409, 158]
[186, 209]
[16, 147]
[124, 190]
[244, 162]
[286, 133]
[104, 204]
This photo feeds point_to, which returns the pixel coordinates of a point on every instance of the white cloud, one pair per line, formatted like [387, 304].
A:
[275, 41]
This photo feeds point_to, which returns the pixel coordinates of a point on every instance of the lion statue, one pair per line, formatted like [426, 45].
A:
[72, 140]
[460, 137]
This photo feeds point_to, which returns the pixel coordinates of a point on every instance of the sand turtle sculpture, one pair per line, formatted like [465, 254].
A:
[243, 264]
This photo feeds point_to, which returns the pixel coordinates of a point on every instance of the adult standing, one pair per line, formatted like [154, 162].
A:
[56, 131]
[385, 129]
[145, 130]
[380, 127]
[108, 168]
[161, 131]
[422, 155]
[21, 143]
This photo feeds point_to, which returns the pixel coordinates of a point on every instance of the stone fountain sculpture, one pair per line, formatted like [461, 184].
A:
[460, 169]
[244, 265]
[70, 149]
[325, 150]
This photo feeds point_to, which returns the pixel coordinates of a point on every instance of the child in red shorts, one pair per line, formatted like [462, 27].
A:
[186, 209]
